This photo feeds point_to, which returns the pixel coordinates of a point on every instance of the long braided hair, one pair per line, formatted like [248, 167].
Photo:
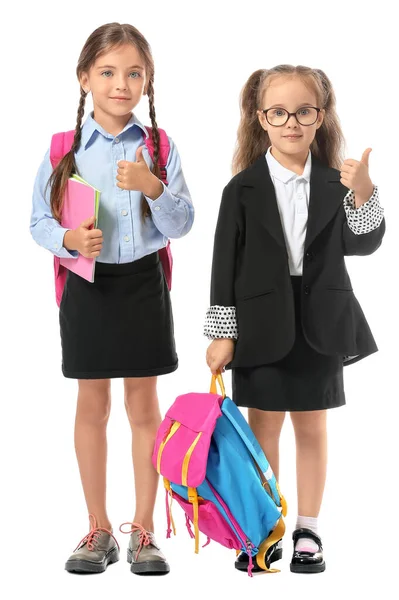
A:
[253, 140]
[104, 38]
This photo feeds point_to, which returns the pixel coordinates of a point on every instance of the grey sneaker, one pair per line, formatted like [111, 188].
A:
[94, 552]
[143, 553]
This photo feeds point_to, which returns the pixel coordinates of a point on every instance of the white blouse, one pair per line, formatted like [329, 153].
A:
[292, 195]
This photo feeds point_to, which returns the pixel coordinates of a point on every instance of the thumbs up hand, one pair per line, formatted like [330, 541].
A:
[355, 176]
[137, 176]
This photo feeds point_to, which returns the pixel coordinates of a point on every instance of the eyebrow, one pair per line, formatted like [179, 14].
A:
[283, 106]
[112, 67]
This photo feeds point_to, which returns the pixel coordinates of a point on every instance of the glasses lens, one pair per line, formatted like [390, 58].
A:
[276, 116]
[307, 115]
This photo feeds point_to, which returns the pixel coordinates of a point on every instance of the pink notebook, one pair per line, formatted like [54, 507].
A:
[80, 203]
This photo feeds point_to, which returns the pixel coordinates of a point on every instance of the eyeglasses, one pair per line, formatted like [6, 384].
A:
[279, 116]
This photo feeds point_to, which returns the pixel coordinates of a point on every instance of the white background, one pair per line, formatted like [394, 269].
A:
[203, 52]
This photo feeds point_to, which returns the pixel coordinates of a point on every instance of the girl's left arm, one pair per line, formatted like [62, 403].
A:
[173, 210]
[364, 227]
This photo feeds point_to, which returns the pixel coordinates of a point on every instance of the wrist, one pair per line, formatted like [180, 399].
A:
[153, 187]
[69, 241]
[362, 196]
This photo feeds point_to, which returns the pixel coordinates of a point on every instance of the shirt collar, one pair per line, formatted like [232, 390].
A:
[91, 127]
[285, 175]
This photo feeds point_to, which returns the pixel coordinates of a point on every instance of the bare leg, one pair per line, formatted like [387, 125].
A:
[92, 413]
[267, 426]
[141, 402]
[311, 459]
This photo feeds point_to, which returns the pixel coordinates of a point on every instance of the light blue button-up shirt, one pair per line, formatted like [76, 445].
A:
[127, 237]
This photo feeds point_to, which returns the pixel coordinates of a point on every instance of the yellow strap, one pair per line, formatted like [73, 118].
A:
[193, 499]
[166, 483]
[186, 461]
[274, 537]
[172, 431]
[283, 501]
[219, 379]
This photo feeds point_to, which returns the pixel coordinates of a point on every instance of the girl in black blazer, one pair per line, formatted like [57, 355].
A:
[283, 314]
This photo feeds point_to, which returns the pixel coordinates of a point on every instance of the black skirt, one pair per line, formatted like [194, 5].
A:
[119, 326]
[302, 380]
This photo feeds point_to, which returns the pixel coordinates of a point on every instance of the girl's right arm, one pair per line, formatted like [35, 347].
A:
[221, 322]
[46, 230]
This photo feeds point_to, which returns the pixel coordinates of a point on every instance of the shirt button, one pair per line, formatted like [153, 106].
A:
[124, 213]
[56, 246]
[116, 140]
[306, 289]
[126, 238]
[157, 208]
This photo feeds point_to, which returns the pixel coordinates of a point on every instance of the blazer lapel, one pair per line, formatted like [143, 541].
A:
[326, 196]
[262, 198]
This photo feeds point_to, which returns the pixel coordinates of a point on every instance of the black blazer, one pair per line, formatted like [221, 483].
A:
[250, 269]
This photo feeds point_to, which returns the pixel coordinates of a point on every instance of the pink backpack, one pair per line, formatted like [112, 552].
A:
[61, 143]
[214, 468]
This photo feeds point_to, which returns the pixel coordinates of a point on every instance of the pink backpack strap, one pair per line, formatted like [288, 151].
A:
[164, 149]
[165, 254]
[61, 143]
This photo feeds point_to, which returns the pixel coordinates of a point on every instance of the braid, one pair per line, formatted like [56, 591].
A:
[67, 165]
[155, 132]
[145, 209]
[79, 119]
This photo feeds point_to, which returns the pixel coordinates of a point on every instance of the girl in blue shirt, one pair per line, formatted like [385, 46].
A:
[121, 325]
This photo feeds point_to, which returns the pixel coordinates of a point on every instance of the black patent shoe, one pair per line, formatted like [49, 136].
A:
[274, 553]
[307, 562]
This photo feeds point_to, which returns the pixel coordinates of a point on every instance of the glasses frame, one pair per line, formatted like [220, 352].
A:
[265, 111]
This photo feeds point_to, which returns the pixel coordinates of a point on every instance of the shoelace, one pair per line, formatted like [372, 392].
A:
[144, 535]
[91, 539]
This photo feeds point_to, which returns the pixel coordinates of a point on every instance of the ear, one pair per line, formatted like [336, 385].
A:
[320, 118]
[262, 119]
[84, 82]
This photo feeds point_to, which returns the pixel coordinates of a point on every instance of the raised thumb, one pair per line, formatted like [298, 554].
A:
[139, 154]
[365, 157]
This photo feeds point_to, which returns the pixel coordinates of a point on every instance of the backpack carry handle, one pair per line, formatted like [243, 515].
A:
[213, 388]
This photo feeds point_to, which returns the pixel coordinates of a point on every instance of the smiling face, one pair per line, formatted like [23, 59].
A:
[117, 81]
[291, 94]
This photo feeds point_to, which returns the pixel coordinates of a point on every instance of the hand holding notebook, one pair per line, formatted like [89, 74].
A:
[79, 215]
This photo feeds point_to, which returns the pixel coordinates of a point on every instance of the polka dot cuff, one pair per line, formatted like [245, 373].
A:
[367, 217]
[221, 322]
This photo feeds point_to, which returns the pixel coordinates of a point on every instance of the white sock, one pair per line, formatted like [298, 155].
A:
[306, 544]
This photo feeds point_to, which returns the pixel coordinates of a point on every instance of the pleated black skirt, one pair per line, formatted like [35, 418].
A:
[119, 326]
[302, 380]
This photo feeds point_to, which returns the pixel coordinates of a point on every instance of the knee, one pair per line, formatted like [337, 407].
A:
[309, 427]
[267, 424]
[94, 404]
[142, 412]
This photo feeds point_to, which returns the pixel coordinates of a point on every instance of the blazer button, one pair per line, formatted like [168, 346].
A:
[306, 289]
[309, 256]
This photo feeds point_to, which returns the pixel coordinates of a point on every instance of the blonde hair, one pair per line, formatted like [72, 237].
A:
[253, 140]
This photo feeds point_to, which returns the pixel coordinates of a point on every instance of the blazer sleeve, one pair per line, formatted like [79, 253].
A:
[221, 319]
[363, 227]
